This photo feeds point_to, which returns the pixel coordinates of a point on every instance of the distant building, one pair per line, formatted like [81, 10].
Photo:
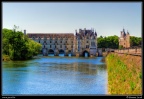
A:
[83, 42]
[124, 39]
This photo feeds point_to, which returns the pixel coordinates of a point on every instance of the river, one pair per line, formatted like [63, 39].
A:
[55, 75]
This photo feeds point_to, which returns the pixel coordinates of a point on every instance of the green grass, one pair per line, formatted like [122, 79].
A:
[123, 78]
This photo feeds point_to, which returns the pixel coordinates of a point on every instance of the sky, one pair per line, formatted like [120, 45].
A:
[106, 18]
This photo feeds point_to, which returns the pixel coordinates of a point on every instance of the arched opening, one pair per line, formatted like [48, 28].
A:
[50, 52]
[85, 54]
[69, 53]
[61, 52]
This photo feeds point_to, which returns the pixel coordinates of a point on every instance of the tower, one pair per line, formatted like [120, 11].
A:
[127, 39]
[124, 39]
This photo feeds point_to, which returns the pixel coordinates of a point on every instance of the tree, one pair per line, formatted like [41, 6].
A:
[17, 45]
[135, 41]
[108, 42]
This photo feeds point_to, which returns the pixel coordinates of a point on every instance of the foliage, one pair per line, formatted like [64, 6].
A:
[120, 46]
[6, 58]
[113, 42]
[135, 41]
[17, 45]
[108, 42]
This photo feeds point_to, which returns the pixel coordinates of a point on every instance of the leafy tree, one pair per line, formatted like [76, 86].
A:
[17, 45]
[135, 41]
[108, 42]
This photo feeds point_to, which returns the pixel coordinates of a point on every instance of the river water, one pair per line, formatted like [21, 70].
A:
[55, 76]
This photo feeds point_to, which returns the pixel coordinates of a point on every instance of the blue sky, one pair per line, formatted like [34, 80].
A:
[107, 18]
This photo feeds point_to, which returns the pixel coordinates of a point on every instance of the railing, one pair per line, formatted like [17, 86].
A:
[130, 51]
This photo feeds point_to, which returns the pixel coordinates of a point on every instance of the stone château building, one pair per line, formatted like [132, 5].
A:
[124, 39]
[84, 41]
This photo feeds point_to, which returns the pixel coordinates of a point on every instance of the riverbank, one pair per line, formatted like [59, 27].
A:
[5, 58]
[124, 74]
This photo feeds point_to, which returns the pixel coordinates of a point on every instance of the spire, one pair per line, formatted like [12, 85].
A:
[95, 33]
[123, 29]
[76, 32]
[127, 32]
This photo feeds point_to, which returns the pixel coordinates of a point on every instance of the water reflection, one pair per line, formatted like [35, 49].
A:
[69, 55]
[50, 54]
[62, 55]
[79, 67]
[54, 75]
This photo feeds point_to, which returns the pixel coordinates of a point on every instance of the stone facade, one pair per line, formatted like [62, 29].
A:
[124, 39]
[86, 41]
[67, 43]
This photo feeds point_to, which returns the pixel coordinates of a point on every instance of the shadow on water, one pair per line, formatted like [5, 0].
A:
[14, 64]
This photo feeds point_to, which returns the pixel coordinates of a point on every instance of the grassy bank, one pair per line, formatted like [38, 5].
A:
[124, 74]
[6, 58]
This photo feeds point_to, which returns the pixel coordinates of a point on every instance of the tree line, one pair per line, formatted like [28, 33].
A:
[17, 45]
[113, 42]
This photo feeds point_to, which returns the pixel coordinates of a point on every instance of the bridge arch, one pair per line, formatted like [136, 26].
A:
[85, 51]
[61, 51]
[50, 51]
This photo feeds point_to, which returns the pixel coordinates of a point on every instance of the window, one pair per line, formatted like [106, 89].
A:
[60, 46]
[55, 41]
[60, 41]
[50, 41]
[71, 46]
[87, 41]
[44, 46]
[71, 41]
[39, 41]
[50, 46]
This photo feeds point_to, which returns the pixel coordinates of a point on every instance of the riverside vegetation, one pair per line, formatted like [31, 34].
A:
[17, 46]
[124, 74]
